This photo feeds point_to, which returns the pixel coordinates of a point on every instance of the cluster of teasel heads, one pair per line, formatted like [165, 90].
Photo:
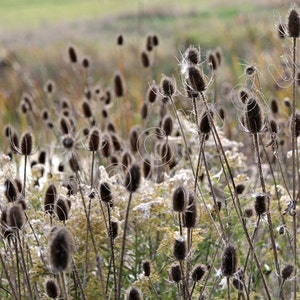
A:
[79, 196]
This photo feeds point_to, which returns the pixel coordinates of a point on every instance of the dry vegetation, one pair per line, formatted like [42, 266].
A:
[126, 174]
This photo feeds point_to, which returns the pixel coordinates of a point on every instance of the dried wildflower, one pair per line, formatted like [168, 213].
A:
[212, 61]
[60, 249]
[155, 40]
[62, 209]
[166, 153]
[297, 125]
[260, 204]
[105, 192]
[167, 86]
[52, 289]
[293, 24]
[118, 83]
[192, 55]
[133, 178]
[74, 164]
[26, 144]
[179, 250]
[120, 40]
[196, 79]
[134, 139]
[250, 70]
[229, 261]
[273, 126]
[106, 145]
[72, 55]
[179, 199]
[10, 190]
[198, 272]
[152, 93]
[287, 272]
[253, 116]
[49, 200]
[16, 217]
[149, 43]
[274, 106]
[126, 160]
[133, 293]
[167, 125]
[85, 63]
[204, 123]
[94, 140]
[145, 59]
[65, 126]
[114, 229]
[147, 268]
[86, 108]
[239, 189]
[175, 273]
[190, 214]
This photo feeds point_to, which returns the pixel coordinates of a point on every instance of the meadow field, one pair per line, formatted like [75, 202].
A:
[149, 149]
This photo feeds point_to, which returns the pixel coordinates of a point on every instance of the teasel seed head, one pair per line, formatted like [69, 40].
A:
[74, 164]
[61, 167]
[250, 70]
[149, 43]
[167, 125]
[196, 79]
[87, 112]
[166, 153]
[190, 92]
[126, 160]
[198, 272]
[229, 261]
[167, 86]
[134, 139]
[52, 289]
[68, 142]
[105, 192]
[175, 273]
[297, 124]
[50, 198]
[273, 126]
[144, 111]
[293, 23]
[152, 93]
[94, 140]
[204, 123]
[118, 84]
[42, 157]
[106, 145]
[85, 62]
[26, 144]
[212, 61]
[134, 293]
[146, 268]
[16, 217]
[190, 214]
[62, 209]
[239, 189]
[116, 141]
[133, 178]
[147, 168]
[145, 59]
[287, 272]
[72, 55]
[261, 203]
[115, 229]
[110, 127]
[49, 87]
[218, 54]
[192, 56]
[238, 284]
[179, 199]
[65, 126]
[253, 116]
[274, 106]
[155, 40]
[60, 249]
[10, 190]
[243, 95]
[179, 250]
[120, 40]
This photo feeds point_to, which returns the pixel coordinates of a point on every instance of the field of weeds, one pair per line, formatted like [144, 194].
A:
[149, 153]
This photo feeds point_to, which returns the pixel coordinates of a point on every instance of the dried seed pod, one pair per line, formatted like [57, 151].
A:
[145, 59]
[167, 86]
[287, 272]
[166, 153]
[60, 249]
[116, 141]
[105, 192]
[62, 209]
[147, 168]
[293, 23]
[167, 125]
[152, 93]
[196, 79]
[133, 293]
[65, 126]
[253, 116]
[297, 125]
[74, 164]
[229, 261]
[26, 144]
[120, 40]
[72, 55]
[15, 217]
[274, 106]
[49, 200]
[190, 214]
[126, 160]
[260, 204]
[133, 178]
[42, 157]
[52, 289]
[105, 145]
[212, 61]
[144, 111]
[273, 126]
[239, 189]
[86, 63]
[86, 108]
[192, 55]
[118, 84]
[134, 139]
[179, 250]
[94, 140]
[175, 273]
[179, 199]
[149, 43]
[198, 272]
[115, 229]
[204, 123]
[68, 141]
[10, 190]
[147, 268]
[155, 40]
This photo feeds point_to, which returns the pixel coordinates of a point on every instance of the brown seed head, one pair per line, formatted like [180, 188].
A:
[133, 178]
[94, 140]
[26, 144]
[293, 23]
[179, 250]
[16, 217]
[196, 79]
[72, 55]
[52, 289]
[175, 273]
[229, 261]
[167, 86]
